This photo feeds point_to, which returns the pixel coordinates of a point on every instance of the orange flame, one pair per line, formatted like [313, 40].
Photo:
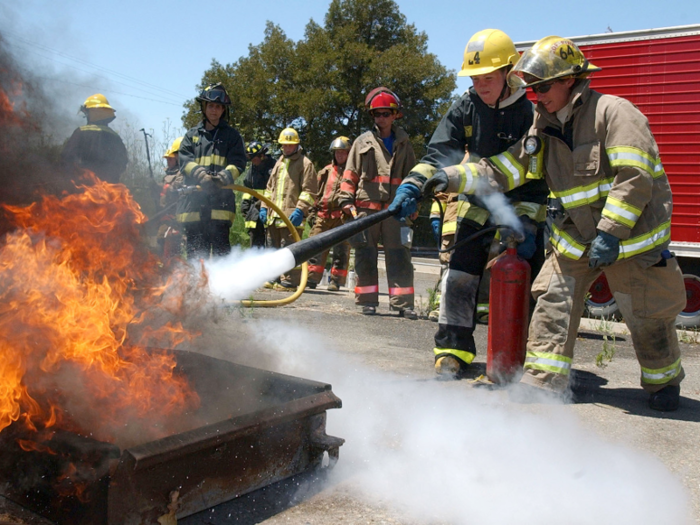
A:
[8, 115]
[74, 281]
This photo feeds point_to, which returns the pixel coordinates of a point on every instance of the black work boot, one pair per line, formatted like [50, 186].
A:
[666, 400]
[408, 314]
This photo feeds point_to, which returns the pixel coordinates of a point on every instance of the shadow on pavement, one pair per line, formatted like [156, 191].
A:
[262, 504]
[588, 387]
[600, 337]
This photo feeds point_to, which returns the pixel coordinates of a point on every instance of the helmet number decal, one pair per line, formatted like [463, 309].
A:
[476, 60]
[566, 52]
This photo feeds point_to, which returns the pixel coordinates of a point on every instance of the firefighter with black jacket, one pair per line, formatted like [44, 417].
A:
[255, 177]
[96, 147]
[485, 121]
[211, 155]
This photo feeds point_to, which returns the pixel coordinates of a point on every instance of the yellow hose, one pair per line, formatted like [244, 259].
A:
[295, 235]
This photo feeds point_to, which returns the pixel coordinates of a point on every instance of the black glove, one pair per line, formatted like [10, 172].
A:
[200, 174]
[605, 249]
[223, 178]
[436, 184]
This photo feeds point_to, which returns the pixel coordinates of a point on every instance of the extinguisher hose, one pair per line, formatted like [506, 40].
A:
[481, 232]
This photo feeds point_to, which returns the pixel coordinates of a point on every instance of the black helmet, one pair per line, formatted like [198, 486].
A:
[254, 149]
[215, 93]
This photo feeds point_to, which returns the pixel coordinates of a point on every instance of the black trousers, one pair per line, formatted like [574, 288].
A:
[207, 238]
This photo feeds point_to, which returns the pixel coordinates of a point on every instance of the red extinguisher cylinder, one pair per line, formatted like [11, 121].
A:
[509, 311]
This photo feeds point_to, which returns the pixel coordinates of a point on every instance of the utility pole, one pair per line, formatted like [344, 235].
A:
[148, 152]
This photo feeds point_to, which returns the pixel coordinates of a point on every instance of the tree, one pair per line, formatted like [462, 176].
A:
[261, 87]
[319, 84]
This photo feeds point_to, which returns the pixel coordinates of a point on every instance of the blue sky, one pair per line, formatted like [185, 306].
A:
[148, 56]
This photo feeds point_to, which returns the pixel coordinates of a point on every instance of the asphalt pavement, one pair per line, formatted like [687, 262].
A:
[423, 451]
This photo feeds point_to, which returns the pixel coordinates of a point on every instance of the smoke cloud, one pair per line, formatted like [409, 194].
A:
[443, 453]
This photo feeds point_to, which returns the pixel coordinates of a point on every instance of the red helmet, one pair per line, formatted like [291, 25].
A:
[383, 98]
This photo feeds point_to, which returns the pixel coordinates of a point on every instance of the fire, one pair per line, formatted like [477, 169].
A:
[8, 115]
[75, 284]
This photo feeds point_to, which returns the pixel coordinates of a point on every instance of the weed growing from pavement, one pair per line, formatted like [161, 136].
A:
[607, 353]
[690, 337]
[422, 306]
[433, 303]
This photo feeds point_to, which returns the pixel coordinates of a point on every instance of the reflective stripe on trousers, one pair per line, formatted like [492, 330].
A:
[649, 298]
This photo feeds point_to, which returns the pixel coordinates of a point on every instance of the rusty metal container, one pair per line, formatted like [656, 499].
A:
[257, 428]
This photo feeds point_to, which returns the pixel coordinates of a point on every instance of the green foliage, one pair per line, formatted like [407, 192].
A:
[689, 336]
[318, 85]
[607, 352]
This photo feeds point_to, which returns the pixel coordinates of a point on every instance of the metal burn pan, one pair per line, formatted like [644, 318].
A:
[254, 428]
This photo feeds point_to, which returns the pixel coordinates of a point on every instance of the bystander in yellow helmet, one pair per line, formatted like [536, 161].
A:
[289, 136]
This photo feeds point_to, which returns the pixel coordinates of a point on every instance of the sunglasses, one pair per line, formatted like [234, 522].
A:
[383, 114]
[542, 88]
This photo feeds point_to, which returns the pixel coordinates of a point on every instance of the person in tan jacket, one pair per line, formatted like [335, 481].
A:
[378, 162]
[327, 215]
[610, 208]
[292, 187]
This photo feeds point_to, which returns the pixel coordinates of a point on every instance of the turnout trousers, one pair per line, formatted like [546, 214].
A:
[459, 291]
[257, 235]
[649, 297]
[399, 268]
[207, 237]
[341, 254]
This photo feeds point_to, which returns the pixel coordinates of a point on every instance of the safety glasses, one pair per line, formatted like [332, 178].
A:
[542, 88]
[383, 114]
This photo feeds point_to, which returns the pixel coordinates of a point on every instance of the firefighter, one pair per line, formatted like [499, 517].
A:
[169, 237]
[610, 208]
[327, 215]
[443, 209]
[211, 155]
[96, 147]
[292, 187]
[377, 164]
[488, 119]
[255, 177]
[444, 233]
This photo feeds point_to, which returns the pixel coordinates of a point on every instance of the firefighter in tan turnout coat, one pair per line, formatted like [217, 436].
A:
[328, 215]
[292, 187]
[378, 162]
[610, 208]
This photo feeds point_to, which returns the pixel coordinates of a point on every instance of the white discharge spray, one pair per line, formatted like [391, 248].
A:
[501, 210]
[446, 454]
[240, 273]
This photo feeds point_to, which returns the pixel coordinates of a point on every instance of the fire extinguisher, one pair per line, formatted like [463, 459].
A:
[509, 301]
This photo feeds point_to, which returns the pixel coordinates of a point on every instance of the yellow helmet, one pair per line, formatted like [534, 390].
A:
[340, 143]
[487, 51]
[174, 148]
[550, 58]
[289, 136]
[96, 101]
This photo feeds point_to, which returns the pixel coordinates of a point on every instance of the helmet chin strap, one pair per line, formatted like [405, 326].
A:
[502, 95]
